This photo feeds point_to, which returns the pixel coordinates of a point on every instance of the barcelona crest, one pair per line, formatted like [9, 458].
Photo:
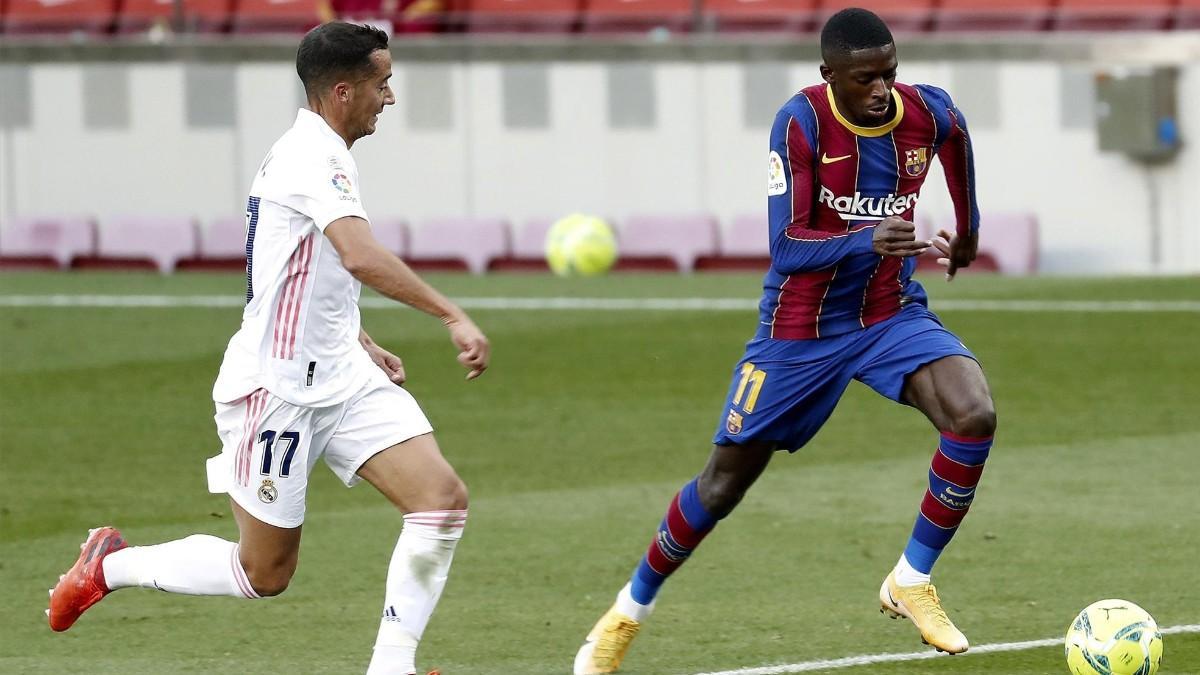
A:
[733, 423]
[915, 161]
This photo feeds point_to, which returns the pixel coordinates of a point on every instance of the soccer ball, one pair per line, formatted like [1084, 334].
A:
[580, 245]
[1114, 637]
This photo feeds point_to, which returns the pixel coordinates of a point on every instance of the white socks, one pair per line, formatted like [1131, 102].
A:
[906, 575]
[416, 577]
[632, 608]
[198, 565]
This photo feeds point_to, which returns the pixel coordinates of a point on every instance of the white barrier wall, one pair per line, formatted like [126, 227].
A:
[478, 154]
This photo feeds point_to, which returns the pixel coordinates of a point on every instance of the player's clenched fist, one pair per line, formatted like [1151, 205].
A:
[896, 236]
[474, 349]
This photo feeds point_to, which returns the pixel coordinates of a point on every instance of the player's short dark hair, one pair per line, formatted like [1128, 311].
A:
[853, 29]
[334, 51]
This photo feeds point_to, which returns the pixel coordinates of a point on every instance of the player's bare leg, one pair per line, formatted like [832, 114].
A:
[418, 480]
[268, 554]
[694, 511]
[953, 394]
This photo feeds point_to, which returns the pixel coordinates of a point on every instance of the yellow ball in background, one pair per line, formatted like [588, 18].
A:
[580, 245]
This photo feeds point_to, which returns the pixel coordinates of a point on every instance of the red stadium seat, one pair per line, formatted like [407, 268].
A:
[46, 240]
[741, 246]
[1113, 14]
[457, 243]
[666, 242]
[158, 242]
[197, 15]
[528, 246]
[59, 16]
[968, 15]
[636, 16]
[1187, 17]
[278, 16]
[760, 15]
[903, 16]
[521, 15]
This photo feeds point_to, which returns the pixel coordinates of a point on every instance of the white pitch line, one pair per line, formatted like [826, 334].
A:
[605, 304]
[870, 659]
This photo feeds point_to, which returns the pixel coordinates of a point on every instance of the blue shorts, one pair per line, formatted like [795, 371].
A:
[783, 391]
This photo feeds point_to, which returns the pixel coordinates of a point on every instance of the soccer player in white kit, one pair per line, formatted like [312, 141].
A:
[301, 379]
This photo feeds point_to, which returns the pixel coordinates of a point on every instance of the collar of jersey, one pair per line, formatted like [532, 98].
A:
[311, 119]
[867, 131]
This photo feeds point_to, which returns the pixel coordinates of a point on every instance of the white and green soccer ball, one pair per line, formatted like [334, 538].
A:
[580, 245]
[1114, 637]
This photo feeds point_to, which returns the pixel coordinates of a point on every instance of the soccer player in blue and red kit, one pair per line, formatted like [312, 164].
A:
[847, 161]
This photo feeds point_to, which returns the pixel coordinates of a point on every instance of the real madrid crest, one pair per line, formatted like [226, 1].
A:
[733, 423]
[267, 492]
[915, 161]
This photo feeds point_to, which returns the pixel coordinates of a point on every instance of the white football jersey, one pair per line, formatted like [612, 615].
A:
[300, 327]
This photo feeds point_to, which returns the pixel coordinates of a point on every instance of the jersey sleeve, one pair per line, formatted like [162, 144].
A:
[957, 157]
[795, 245]
[324, 189]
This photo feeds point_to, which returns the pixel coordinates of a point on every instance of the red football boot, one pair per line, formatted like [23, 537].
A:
[83, 586]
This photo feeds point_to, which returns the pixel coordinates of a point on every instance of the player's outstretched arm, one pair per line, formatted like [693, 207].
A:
[372, 264]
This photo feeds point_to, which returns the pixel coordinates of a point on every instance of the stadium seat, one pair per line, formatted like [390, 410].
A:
[60, 16]
[903, 16]
[1096, 15]
[278, 16]
[636, 16]
[528, 246]
[223, 239]
[137, 240]
[458, 243]
[46, 240]
[196, 15]
[666, 241]
[741, 246]
[521, 15]
[972, 15]
[392, 233]
[1008, 242]
[759, 15]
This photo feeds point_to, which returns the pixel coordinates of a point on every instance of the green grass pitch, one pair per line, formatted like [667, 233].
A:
[572, 445]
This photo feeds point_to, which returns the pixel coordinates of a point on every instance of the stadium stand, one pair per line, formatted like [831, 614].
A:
[1094, 15]
[278, 16]
[60, 16]
[1187, 15]
[759, 15]
[653, 241]
[902, 16]
[1010, 245]
[201, 16]
[457, 243]
[637, 16]
[46, 241]
[160, 242]
[520, 15]
[988, 15]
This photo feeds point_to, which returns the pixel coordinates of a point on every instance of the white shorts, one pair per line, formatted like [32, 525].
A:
[269, 446]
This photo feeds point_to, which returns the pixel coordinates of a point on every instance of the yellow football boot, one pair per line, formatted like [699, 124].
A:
[920, 605]
[606, 644]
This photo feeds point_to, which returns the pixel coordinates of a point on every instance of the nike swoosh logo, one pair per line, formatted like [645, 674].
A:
[826, 159]
[952, 493]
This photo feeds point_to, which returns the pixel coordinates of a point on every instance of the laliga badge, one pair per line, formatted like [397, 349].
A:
[267, 492]
[733, 423]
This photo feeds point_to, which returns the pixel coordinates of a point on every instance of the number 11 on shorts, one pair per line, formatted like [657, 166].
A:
[753, 378]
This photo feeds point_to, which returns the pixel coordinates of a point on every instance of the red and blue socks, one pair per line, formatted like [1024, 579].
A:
[953, 477]
[681, 531]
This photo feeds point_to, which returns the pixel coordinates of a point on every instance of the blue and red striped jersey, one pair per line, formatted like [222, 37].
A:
[830, 182]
